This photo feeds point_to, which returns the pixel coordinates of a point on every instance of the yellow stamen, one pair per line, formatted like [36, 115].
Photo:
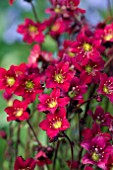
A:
[95, 156]
[29, 85]
[32, 29]
[55, 27]
[87, 47]
[108, 37]
[88, 68]
[71, 54]
[57, 124]
[105, 89]
[59, 78]
[19, 112]
[10, 81]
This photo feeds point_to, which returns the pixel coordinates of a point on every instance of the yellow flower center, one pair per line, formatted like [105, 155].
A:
[10, 81]
[105, 89]
[55, 27]
[57, 124]
[57, 10]
[19, 112]
[87, 47]
[59, 78]
[71, 54]
[111, 168]
[29, 85]
[88, 68]
[32, 29]
[52, 104]
[95, 156]
[108, 36]
[72, 94]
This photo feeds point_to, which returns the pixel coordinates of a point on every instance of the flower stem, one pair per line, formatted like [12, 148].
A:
[34, 12]
[28, 122]
[71, 146]
[108, 62]
[18, 140]
[55, 157]
[109, 7]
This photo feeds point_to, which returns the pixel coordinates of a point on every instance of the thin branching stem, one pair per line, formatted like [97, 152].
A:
[30, 126]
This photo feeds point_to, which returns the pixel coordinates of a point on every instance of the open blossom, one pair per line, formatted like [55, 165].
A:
[55, 123]
[68, 52]
[17, 111]
[101, 117]
[52, 102]
[91, 71]
[21, 164]
[77, 89]
[59, 75]
[98, 151]
[58, 27]
[8, 80]
[29, 87]
[105, 34]
[31, 31]
[106, 86]
[65, 7]
[88, 48]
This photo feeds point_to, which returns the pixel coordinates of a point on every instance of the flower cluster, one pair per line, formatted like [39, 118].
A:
[66, 88]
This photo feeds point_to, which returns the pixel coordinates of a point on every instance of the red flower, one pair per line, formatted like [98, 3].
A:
[91, 71]
[88, 134]
[109, 164]
[21, 164]
[52, 102]
[11, 2]
[68, 53]
[66, 8]
[54, 123]
[29, 87]
[17, 111]
[77, 89]
[88, 168]
[88, 48]
[36, 55]
[8, 80]
[3, 134]
[42, 159]
[59, 76]
[101, 117]
[44, 155]
[31, 31]
[106, 86]
[105, 34]
[72, 165]
[58, 27]
[98, 151]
